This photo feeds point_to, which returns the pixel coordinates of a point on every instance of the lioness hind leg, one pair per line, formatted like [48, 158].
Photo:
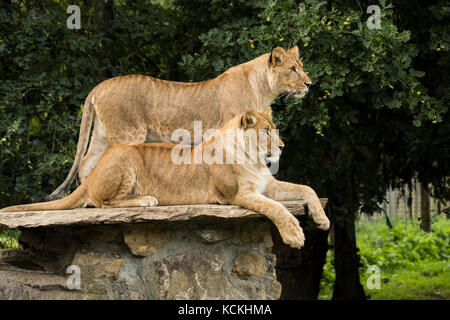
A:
[98, 146]
[131, 201]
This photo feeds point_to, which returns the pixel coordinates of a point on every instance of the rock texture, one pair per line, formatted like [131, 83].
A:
[176, 252]
[32, 219]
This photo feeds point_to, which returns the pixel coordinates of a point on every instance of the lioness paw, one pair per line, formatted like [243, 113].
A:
[292, 234]
[318, 215]
[295, 240]
[322, 222]
[150, 201]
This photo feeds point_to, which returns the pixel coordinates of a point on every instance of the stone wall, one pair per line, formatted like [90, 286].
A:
[222, 253]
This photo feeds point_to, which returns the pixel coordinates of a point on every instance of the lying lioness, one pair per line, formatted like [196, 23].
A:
[145, 174]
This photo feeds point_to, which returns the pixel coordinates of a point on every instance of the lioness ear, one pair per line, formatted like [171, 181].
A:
[248, 120]
[294, 51]
[268, 112]
[277, 56]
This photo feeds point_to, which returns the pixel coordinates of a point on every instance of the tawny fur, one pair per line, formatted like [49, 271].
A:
[129, 109]
[145, 175]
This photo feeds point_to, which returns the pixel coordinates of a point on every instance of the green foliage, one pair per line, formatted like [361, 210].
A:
[407, 256]
[414, 264]
[343, 57]
[403, 246]
[328, 278]
[43, 66]
[8, 239]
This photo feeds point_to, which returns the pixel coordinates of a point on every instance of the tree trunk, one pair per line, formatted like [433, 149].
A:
[103, 16]
[425, 223]
[347, 285]
[300, 271]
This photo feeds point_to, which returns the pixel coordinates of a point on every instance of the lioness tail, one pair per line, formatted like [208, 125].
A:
[75, 199]
[83, 140]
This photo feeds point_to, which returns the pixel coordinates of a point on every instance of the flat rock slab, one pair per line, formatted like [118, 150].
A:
[164, 252]
[88, 216]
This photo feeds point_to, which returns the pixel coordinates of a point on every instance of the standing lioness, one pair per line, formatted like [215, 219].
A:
[129, 109]
[145, 175]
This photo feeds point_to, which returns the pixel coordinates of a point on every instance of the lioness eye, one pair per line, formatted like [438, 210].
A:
[293, 69]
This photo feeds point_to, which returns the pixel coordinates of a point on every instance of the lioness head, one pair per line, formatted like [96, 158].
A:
[261, 127]
[287, 72]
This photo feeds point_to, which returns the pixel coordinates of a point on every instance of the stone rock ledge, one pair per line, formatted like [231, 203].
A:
[89, 216]
[176, 252]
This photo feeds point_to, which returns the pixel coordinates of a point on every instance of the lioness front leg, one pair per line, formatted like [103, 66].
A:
[287, 224]
[280, 190]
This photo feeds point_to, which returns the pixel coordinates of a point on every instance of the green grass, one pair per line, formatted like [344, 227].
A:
[428, 281]
[413, 264]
